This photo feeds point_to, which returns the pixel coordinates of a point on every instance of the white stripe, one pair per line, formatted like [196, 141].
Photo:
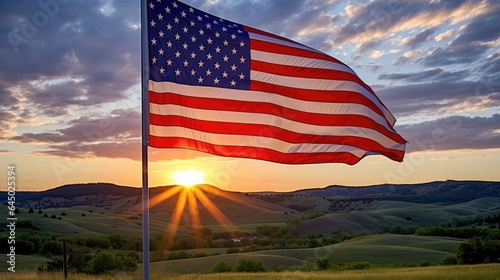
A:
[299, 61]
[252, 141]
[259, 96]
[271, 120]
[319, 84]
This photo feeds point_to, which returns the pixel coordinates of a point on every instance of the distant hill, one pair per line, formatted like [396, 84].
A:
[447, 192]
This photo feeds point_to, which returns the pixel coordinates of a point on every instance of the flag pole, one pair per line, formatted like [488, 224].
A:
[145, 137]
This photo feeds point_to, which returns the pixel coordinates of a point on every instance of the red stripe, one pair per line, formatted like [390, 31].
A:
[303, 72]
[287, 50]
[272, 109]
[261, 32]
[318, 95]
[252, 152]
[271, 132]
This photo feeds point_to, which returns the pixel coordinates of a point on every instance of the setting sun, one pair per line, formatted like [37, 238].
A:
[188, 178]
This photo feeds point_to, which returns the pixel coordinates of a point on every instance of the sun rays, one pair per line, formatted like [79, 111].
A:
[193, 198]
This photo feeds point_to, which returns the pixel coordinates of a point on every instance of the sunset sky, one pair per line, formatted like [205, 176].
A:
[70, 90]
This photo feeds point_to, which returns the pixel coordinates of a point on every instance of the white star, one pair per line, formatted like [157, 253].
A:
[169, 62]
[202, 48]
[191, 9]
[209, 40]
[226, 43]
[242, 59]
[151, 5]
[169, 27]
[167, 10]
[234, 51]
[193, 72]
[224, 29]
[193, 55]
[153, 23]
[192, 23]
[217, 35]
[177, 36]
[161, 51]
[154, 60]
[193, 39]
[177, 72]
[208, 25]
[169, 44]
[162, 70]
[242, 77]
[216, 81]
[200, 80]
[177, 54]
[226, 58]
[233, 67]
[215, 22]
[161, 34]
[225, 74]
[209, 56]
[217, 50]
[201, 32]
[239, 31]
[233, 36]
[174, 4]
[185, 29]
[186, 63]
[153, 41]
[185, 46]
[233, 83]
[242, 44]
[199, 18]
[176, 20]
[208, 72]
[206, 15]
[200, 64]
[160, 16]
[217, 65]
[183, 14]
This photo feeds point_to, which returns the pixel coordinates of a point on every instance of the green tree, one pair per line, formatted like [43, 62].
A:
[247, 265]
[221, 267]
[323, 263]
[53, 247]
[104, 262]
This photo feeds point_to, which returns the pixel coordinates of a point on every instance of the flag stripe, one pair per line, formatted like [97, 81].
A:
[253, 152]
[362, 118]
[266, 120]
[250, 129]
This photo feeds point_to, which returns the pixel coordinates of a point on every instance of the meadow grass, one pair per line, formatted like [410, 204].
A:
[469, 272]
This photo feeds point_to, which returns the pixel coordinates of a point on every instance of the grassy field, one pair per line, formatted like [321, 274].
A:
[379, 250]
[469, 272]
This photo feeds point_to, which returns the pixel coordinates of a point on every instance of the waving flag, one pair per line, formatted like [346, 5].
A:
[227, 89]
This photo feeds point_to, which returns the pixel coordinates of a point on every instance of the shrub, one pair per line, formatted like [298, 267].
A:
[246, 265]
[51, 247]
[221, 267]
[356, 265]
[31, 211]
[450, 260]
[232, 250]
[322, 263]
[104, 262]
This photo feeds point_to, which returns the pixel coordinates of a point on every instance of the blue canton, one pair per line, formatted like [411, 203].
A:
[188, 46]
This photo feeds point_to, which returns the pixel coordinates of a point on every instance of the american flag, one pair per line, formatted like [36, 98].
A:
[227, 89]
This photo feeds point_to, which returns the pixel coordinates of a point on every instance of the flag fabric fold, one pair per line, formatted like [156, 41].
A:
[227, 89]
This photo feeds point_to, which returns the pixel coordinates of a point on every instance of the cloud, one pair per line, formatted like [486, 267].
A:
[6, 152]
[376, 54]
[426, 76]
[419, 39]
[373, 21]
[481, 34]
[445, 35]
[453, 133]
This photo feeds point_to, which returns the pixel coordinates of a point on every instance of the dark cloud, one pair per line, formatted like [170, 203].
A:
[6, 152]
[440, 96]
[426, 76]
[382, 16]
[420, 38]
[78, 56]
[472, 42]
[453, 133]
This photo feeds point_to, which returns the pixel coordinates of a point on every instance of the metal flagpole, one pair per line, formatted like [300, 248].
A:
[145, 137]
